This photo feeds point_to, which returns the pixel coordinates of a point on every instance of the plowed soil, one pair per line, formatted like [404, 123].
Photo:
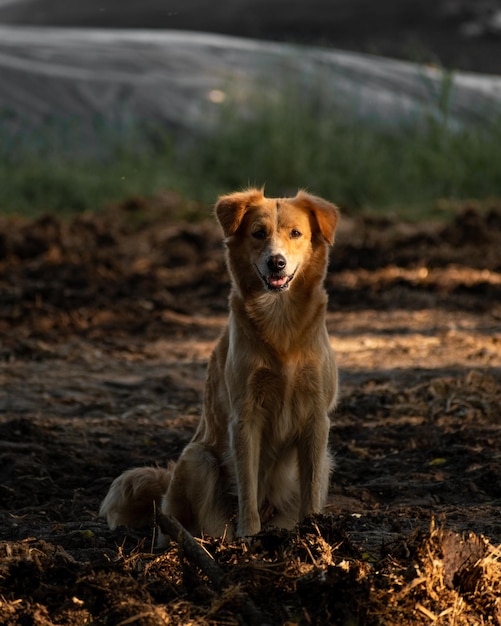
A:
[106, 326]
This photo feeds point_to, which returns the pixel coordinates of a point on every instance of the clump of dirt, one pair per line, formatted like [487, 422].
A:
[107, 322]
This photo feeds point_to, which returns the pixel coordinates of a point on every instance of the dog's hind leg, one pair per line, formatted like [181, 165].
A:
[196, 496]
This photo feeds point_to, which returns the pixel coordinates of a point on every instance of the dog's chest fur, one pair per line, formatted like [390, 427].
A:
[283, 378]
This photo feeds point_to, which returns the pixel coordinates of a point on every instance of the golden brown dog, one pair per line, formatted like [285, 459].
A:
[260, 451]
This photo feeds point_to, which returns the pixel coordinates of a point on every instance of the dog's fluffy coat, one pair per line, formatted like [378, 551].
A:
[259, 455]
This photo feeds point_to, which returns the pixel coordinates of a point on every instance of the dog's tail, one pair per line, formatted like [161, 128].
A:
[134, 495]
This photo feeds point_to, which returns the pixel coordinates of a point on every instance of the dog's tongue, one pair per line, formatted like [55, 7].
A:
[275, 281]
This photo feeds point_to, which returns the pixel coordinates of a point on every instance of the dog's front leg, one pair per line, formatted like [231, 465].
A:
[314, 466]
[246, 444]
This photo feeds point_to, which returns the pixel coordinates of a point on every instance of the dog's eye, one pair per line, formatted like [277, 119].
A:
[259, 234]
[295, 234]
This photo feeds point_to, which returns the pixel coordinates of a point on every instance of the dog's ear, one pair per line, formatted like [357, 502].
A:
[231, 209]
[326, 214]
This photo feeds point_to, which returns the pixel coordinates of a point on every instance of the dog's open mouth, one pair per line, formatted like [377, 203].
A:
[276, 282]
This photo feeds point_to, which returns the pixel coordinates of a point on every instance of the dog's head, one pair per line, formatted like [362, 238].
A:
[274, 241]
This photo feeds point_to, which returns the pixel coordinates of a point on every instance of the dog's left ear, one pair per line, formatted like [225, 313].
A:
[325, 213]
[231, 209]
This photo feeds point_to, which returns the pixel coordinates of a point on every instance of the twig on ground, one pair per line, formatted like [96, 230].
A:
[195, 553]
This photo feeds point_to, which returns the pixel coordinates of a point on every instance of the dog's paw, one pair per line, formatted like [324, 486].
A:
[249, 526]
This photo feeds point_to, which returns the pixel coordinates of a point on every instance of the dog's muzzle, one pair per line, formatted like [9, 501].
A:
[277, 279]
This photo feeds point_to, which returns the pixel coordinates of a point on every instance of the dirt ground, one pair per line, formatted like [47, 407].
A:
[106, 326]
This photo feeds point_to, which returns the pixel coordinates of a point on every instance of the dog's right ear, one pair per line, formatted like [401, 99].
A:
[231, 209]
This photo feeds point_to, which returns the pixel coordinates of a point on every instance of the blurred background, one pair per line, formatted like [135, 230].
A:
[456, 33]
[393, 106]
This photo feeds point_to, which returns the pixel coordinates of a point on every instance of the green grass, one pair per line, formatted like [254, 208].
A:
[66, 166]
[282, 139]
[409, 169]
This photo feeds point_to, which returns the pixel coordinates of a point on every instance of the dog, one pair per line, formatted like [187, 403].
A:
[259, 456]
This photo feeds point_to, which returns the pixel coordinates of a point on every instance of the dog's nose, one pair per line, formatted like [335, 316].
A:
[276, 263]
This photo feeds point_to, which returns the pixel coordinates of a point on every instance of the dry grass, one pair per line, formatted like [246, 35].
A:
[312, 575]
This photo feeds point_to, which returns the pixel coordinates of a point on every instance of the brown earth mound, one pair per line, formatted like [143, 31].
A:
[106, 326]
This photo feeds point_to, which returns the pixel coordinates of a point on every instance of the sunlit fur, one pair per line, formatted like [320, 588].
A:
[259, 455]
